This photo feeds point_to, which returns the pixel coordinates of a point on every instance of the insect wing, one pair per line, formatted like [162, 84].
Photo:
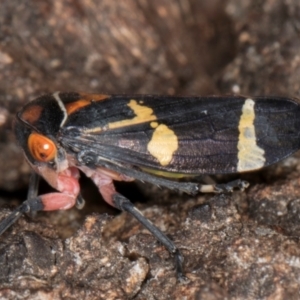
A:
[187, 135]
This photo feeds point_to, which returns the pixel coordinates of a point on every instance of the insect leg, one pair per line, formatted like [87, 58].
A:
[191, 188]
[80, 202]
[65, 182]
[124, 204]
[225, 187]
[107, 189]
[33, 186]
[33, 191]
[31, 205]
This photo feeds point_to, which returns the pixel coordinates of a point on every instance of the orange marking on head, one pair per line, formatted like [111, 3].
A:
[32, 113]
[84, 101]
[41, 148]
[94, 97]
[73, 106]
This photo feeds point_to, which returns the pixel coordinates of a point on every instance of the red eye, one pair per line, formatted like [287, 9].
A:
[41, 148]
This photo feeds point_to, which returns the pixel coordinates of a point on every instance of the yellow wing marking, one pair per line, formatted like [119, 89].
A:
[250, 156]
[163, 143]
[143, 114]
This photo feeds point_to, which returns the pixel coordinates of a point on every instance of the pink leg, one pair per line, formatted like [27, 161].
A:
[106, 187]
[67, 183]
[57, 201]
[103, 179]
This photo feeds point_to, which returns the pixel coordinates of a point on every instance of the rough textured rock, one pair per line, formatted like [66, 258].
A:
[239, 246]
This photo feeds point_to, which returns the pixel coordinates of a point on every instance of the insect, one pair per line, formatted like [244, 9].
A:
[155, 139]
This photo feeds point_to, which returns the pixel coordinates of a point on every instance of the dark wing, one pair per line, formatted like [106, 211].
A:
[188, 135]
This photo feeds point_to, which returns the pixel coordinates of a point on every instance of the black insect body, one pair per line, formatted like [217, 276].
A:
[155, 139]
